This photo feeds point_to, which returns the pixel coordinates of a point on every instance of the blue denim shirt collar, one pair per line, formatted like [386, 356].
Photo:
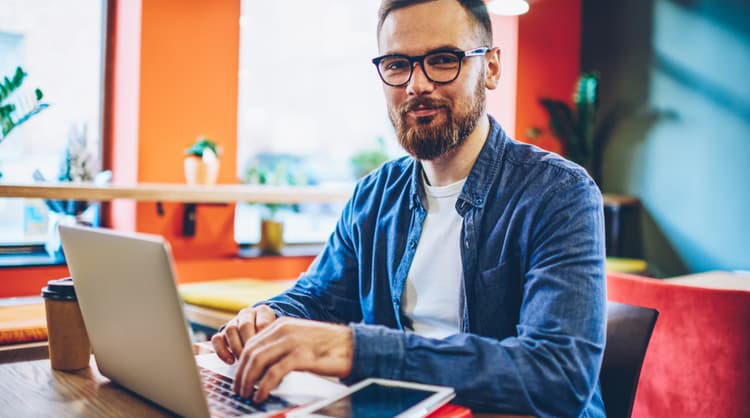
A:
[480, 179]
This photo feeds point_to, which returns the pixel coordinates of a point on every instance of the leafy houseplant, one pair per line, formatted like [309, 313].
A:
[16, 107]
[574, 127]
[273, 170]
[78, 165]
[202, 162]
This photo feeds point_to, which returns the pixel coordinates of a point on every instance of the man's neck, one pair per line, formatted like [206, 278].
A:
[457, 164]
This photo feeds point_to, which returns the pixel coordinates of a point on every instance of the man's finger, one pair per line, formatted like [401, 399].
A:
[220, 347]
[246, 331]
[254, 361]
[264, 316]
[273, 377]
[234, 341]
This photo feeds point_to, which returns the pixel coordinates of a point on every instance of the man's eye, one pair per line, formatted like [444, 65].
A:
[396, 65]
[440, 60]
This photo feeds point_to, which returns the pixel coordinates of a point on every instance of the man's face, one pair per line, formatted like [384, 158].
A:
[433, 119]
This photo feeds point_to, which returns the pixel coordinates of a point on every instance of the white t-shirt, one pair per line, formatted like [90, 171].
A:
[433, 286]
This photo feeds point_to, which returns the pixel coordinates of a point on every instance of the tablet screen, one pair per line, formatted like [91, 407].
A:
[374, 401]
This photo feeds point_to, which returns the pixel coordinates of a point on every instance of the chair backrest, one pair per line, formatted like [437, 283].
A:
[628, 333]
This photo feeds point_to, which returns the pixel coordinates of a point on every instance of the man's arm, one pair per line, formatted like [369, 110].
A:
[327, 292]
[551, 367]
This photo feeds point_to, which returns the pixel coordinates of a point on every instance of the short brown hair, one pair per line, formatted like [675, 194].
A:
[476, 8]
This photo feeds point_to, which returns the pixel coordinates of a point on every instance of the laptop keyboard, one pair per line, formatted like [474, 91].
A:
[223, 402]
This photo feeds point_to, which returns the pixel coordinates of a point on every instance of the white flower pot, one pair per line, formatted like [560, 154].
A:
[199, 171]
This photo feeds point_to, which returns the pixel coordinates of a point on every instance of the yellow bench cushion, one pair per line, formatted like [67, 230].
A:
[231, 294]
[22, 323]
[626, 265]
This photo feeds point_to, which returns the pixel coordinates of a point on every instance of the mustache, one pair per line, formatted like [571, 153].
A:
[428, 102]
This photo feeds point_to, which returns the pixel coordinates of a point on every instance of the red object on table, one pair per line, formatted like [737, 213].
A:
[451, 411]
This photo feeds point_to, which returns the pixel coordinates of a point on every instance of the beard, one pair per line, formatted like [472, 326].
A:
[427, 141]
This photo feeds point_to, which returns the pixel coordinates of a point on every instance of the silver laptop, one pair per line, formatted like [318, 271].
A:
[125, 283]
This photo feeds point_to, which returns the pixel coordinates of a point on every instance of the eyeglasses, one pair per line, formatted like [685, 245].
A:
[441, 66]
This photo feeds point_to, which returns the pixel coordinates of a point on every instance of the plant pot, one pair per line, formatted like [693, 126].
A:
[53, 244]
[198, 171]
[271, 237]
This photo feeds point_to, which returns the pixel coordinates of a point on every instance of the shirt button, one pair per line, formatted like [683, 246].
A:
[478, 201]
[466, 243]
[396, 301]
[412, 244]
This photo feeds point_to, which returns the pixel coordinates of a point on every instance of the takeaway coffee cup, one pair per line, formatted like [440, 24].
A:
[69, 347]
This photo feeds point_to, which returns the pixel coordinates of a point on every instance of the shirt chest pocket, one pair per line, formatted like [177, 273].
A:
[497, 300]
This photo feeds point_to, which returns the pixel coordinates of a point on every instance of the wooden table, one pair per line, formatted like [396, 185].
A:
[32, 388]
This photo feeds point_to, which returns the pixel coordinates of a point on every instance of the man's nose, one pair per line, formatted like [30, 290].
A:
[419, 84]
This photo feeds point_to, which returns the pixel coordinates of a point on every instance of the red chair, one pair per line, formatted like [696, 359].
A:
[698, 360]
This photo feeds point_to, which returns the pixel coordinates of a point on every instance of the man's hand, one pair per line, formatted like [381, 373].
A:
[228, 343]
[293, 344]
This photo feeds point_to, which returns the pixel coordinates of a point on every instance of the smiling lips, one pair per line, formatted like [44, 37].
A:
[422, 111]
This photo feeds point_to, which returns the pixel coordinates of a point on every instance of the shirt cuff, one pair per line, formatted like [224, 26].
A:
[378, 352]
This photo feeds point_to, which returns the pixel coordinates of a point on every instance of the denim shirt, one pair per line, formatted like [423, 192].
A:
[533, 304]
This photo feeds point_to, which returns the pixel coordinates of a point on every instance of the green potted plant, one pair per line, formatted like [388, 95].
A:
[202, 162]
[574, 126]
[79, 164]
[16, 105]
[273, 170]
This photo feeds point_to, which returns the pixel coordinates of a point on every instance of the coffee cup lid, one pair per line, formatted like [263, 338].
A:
[60, 289]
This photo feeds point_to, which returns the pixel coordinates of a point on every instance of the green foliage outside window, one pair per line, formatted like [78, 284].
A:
[17, 109]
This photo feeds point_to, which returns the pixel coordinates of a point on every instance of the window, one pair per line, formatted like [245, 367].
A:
[60, 45]
[309, 100]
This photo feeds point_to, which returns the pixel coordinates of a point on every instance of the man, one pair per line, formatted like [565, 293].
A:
[476, 263]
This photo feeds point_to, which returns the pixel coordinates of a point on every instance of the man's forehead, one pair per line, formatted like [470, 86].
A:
[426, 26]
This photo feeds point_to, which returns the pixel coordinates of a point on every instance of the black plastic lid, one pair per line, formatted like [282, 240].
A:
[60, 289]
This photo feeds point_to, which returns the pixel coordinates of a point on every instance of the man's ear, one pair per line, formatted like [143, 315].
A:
[494, 68]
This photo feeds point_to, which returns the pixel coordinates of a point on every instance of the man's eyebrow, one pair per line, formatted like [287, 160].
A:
[440, 48]
[444, 48]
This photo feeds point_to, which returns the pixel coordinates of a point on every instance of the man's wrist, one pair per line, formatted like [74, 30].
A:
[377, 352]
[346, 345]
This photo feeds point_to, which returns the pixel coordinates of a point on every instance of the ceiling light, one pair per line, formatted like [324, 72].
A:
[508, 7]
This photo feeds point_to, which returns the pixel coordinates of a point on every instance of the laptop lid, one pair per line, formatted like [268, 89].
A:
[125, 283]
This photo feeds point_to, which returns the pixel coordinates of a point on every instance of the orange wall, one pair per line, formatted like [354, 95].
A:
[549, 50]
[189, 67]
[28, 281]
[182, 83]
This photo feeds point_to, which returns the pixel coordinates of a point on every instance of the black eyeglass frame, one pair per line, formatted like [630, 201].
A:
[460, 55]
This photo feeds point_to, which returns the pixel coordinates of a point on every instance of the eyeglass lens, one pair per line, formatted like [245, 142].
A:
[441, 67]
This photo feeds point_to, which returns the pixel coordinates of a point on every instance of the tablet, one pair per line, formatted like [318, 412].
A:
[375, 398]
